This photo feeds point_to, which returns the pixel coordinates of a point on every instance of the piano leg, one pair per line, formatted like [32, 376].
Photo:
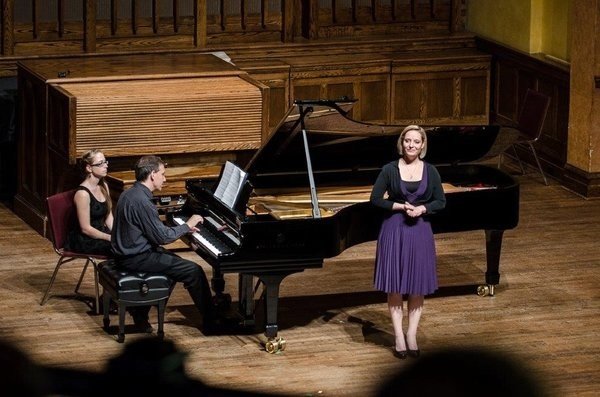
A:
[246, 299]
[272, 283]
[493, 247]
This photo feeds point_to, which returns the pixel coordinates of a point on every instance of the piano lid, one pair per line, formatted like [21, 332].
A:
[338, 143]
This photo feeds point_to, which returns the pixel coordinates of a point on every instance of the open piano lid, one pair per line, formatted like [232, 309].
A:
[338, 143]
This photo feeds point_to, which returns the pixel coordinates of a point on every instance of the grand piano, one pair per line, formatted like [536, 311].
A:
[305, 197]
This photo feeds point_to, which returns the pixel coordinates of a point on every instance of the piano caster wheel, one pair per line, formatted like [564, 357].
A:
[485, 290]
[282, 344]
[275, 345]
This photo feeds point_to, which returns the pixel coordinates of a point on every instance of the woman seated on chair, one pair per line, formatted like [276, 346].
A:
[93, 204]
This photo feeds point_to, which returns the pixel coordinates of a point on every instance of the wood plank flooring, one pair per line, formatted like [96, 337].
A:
[546, 311]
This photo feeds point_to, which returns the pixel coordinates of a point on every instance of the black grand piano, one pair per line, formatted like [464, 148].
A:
[304, 197]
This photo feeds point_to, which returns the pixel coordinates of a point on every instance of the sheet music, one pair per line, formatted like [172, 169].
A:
[223, 55]
[231, 184]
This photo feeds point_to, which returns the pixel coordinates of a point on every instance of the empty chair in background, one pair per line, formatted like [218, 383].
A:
[528, 129]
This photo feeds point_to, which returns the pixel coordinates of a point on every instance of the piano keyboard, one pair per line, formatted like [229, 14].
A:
[207, 239]
[226, 232]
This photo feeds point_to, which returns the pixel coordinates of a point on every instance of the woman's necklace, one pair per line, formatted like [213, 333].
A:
[410, 169]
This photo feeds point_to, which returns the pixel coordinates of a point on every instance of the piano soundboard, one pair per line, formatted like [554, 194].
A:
[296, 205]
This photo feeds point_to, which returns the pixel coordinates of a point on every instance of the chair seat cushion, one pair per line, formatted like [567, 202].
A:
[133, 286]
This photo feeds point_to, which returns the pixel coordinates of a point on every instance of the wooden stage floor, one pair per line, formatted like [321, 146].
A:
[545, 314]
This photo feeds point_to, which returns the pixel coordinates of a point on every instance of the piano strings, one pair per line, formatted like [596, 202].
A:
[331, 200]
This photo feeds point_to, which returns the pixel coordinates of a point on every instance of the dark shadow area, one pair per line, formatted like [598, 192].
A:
[371, 334]
[463, 372]
[148, 366]
[153, 366]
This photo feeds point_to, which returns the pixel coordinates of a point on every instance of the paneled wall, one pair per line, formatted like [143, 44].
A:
[86, 26]
[434, 87]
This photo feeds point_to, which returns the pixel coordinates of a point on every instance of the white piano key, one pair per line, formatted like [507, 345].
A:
[200, 239]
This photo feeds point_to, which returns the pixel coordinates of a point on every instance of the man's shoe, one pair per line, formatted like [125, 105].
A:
[220, 303]
[142, 325]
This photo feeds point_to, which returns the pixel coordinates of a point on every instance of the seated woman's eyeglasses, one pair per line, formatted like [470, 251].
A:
[100, 164]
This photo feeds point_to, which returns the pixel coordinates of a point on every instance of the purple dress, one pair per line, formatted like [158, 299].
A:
[405, 258]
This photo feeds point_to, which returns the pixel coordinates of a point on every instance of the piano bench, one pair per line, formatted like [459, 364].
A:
[129, 288]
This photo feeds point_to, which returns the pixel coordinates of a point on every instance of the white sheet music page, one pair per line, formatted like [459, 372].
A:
[231, 183]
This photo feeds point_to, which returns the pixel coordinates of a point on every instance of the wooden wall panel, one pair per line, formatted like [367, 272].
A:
[344, 76]
[375, 110]
[278, 104]
[505, 105]
[439, 95]
[341, 89]
[32, 172]
[439, 99]
[451, 88]
[372, 92]
[408, 104]
[61, 105]
[474, 96]
[306, 91]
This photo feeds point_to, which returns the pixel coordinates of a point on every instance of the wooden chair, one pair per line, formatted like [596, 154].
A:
[529, 127]
[62, 218]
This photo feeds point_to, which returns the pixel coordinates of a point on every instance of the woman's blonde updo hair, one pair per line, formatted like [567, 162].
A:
[88, 159]
[423, 138]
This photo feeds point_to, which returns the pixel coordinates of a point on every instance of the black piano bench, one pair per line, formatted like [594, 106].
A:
[129, 288]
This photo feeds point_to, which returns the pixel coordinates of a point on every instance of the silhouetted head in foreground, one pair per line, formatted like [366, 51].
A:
[152, 366]
[460, 372]
[19, 375]
[152, 362]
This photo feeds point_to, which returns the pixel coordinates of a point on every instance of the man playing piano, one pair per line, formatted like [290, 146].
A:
[138, 234]
[405, 259]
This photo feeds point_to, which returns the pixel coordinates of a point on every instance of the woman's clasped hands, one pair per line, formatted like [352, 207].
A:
[414, 211]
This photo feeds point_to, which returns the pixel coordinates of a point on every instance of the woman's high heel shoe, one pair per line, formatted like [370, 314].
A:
[399, 354]
[414, 353]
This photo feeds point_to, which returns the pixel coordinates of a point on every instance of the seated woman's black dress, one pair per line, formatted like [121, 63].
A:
[79, 242]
